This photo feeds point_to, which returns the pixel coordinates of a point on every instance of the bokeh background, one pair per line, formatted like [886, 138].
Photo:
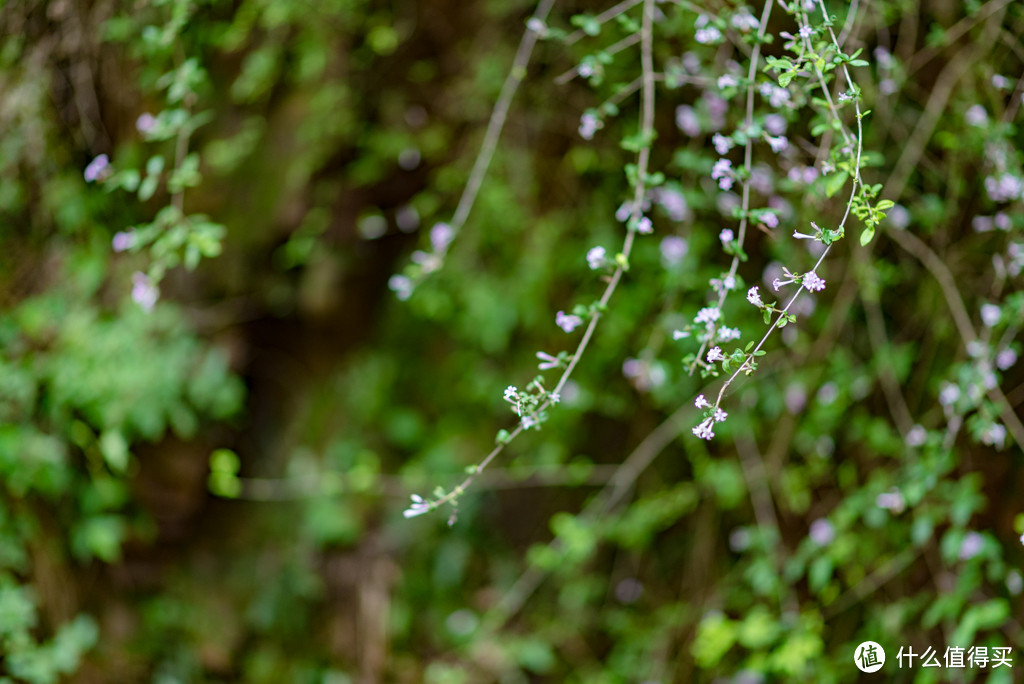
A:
[212, 491]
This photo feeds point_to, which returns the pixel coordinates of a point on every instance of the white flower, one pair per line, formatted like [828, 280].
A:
[727, 81]
[701, 402]
[728, 334]
[726, 236]
[679, 334]
[567, 322]
[547, 361]
[715, 354]
[511, 393]
[806, 31]
[529, 422]
[770, 220]
[704, 431]
[418, 507]
[708, 315]
[720, 416]
[813, 283]
[554, 397]
[596, 258]
[754, 297]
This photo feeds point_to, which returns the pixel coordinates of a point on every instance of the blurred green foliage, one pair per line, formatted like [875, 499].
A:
[211, 491]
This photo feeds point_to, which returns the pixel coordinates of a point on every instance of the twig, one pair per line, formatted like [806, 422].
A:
[643, 158]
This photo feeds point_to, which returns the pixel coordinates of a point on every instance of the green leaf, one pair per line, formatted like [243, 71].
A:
[835, 183]
[866, 236]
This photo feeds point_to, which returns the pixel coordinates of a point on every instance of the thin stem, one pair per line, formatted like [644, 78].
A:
[643, 158]
[497, 120]
[601, 18]
[745, 367]
[748, 156]
[615, 48]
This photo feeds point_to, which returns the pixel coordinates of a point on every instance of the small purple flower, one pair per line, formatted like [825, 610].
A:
[547, 361]
[721, 143]
[990, 315]
[891, 500]
[123, 241]
[145, 123]
[778, 144]
[971, 545]
[754, 297]
[144, 292]
[687, 121]
[644, 226]
[775, 124]
[596, 258]
[813, 283]
[401, 285]
[701, 402]
[770, 220]
[673, 249]
[98, 169]
[704, 430]
[673, 202]
[1006, 358]
[567, 322]
[976, 116]
[441, 235]
[722, 172]
[705, 33]
[715, 354]
[418, 507]
[822, 533]
[589, 125]
[726, 236]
